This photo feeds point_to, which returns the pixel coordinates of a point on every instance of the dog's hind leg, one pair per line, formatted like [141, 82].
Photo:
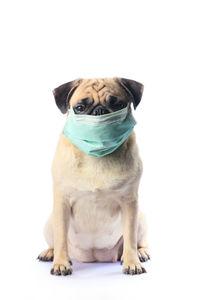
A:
[47, 255]
[143, 252]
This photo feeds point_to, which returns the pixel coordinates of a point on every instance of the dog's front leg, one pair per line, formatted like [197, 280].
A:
[61, 217]
[130, 260]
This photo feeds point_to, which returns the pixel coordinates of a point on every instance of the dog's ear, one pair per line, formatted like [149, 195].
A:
[133, 88]
[63, 93]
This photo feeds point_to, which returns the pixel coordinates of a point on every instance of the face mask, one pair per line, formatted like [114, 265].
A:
[99, 135]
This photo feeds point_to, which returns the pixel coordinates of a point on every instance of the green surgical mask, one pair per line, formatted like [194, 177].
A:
[99, 135]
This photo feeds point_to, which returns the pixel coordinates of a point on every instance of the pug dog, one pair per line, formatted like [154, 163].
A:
[95, 214]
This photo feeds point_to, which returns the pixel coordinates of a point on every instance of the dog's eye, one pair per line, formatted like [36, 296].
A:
[120, 104]
[116, 103]
[80, 108]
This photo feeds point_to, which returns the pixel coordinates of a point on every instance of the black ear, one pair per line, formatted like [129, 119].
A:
[133, 88]
[63, 93]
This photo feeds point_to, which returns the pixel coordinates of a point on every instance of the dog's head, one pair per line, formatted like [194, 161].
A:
[98, 96]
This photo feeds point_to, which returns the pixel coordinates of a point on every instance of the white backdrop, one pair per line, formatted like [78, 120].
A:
[47, 43]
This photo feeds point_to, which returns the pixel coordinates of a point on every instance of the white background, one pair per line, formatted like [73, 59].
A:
[47, 43]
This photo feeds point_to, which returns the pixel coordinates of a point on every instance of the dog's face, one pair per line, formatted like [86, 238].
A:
[98, 96]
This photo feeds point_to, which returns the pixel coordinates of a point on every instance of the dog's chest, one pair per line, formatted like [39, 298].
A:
[94, 176]
[74, 170]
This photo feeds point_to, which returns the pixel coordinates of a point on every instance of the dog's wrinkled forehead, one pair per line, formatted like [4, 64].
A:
[99, 90]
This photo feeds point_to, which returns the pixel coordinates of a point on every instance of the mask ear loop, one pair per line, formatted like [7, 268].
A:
[69, 111]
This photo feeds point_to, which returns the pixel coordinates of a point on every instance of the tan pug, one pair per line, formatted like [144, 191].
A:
[95, 213]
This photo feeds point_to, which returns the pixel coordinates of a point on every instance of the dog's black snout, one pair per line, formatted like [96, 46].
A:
[99, 110]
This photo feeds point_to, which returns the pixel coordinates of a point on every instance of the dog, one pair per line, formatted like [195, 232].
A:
[95, 212]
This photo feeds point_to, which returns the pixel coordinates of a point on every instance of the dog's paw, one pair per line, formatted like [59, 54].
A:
[132, 267]
[62, 269]
[46, 255]
[143, 254]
